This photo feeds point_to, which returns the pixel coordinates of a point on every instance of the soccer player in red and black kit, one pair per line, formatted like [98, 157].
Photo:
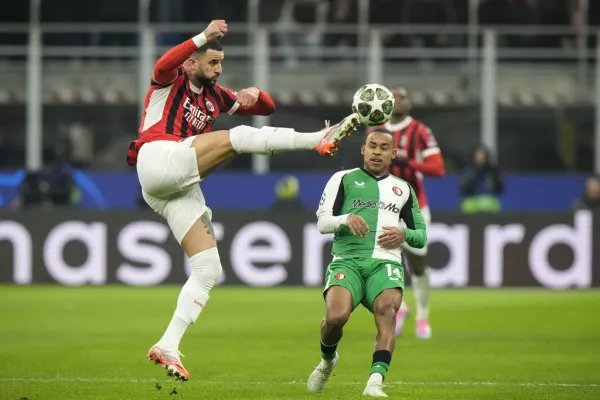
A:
[176, 150]
[418, 155]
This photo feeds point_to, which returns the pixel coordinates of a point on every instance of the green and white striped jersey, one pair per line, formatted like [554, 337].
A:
[380, 201]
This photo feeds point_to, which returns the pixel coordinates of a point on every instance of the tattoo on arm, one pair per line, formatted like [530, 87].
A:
[205, 218]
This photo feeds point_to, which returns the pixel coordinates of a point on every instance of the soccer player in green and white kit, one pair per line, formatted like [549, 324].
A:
[363, 207]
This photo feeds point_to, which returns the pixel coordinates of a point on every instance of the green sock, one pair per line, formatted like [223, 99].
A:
[380, 367]
[381, 362]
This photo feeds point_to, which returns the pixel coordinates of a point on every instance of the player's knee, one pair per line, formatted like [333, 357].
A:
[385, 309]
[206, 268]
[239, 137]
[337, 318]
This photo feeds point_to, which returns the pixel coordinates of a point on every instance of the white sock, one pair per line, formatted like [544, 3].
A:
[375, 377]
[420, 286]
[172, 336]
[206, 269]
[269, 140]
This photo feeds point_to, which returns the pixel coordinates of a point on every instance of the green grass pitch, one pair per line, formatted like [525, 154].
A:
[91, 343]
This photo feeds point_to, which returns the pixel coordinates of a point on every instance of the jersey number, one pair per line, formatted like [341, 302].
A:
[393, 274]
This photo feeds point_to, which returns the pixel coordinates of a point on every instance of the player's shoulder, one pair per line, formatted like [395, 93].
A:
[395, 178]
[340, 174]
[345, 172]
[422, 127]
[177, 82]
[398, 180]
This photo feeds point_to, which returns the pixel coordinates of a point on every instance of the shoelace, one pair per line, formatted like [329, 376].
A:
[379, 386]
[327, 123]
[324, 369]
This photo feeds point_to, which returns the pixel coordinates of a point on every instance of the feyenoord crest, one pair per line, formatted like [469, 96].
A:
[339, 276]
[210, 106]
[397, 191]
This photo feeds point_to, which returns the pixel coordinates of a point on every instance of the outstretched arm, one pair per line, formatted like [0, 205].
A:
[165, 69]
[250, 101]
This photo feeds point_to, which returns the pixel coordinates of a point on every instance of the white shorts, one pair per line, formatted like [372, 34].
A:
[168, 174]
[419, 252]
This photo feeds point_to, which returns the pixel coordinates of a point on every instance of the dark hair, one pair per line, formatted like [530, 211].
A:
[382, 130]
[379, 129]
[210, 45]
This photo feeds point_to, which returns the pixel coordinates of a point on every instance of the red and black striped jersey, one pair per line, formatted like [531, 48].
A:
[180, 109]
[174, 108]
[415, 143]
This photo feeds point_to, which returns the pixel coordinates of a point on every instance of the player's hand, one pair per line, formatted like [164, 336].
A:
[357, 225]
[400, 161]
[248, 97]
[392, 238]
[216, 29]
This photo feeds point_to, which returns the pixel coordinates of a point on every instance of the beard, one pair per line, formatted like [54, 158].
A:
[204, 81]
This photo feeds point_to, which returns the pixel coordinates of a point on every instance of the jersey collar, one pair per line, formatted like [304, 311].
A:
[399, 126]
[377, 178]
[195, 88]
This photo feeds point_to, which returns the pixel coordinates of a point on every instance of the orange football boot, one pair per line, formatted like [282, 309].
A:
[171, 363]
[334, 134]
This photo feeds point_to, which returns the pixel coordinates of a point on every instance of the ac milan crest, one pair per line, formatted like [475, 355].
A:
[209, 106]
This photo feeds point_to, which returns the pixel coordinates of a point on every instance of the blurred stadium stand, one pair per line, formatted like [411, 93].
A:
[317, 53]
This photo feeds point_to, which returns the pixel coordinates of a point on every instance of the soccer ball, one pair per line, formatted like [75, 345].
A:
[374, 104]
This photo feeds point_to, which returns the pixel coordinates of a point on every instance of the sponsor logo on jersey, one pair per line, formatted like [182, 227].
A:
[339, 276]
[397, 191]
[359, 184]
[194, 115]
[358, 203]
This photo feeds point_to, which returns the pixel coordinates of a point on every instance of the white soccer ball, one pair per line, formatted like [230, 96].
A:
[374, 104]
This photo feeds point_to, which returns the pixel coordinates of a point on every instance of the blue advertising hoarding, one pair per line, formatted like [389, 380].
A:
[246, 191]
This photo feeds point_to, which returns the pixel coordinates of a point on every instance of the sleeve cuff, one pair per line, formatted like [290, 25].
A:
[233, 108]
[200, 40]
[343, 220]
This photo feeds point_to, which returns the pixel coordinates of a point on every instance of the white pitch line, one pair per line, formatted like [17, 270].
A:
[275, 383]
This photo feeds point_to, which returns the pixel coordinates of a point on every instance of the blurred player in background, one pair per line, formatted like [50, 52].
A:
[418, 154]
[364, 207]
[176, 150]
